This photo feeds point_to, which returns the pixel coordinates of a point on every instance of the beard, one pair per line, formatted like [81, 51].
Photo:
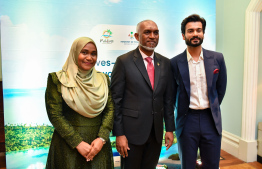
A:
[147, 48]
[189, 43]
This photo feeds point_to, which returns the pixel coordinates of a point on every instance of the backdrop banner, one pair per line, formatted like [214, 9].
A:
[36, 36]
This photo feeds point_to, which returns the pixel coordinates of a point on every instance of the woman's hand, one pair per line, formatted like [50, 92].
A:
[96, 145]
[83, 148]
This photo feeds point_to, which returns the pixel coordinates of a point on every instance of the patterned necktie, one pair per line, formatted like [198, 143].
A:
[150, 71]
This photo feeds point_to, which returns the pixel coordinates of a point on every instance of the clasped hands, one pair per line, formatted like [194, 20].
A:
[90, 151]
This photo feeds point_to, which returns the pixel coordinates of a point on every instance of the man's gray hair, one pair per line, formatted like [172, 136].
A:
[138, 25]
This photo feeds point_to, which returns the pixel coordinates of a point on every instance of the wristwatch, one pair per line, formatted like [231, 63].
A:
[103, 140]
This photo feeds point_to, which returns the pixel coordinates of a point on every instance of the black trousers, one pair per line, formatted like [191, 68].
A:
[143, 156]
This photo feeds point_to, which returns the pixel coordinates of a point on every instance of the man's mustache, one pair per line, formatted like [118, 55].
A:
[195, 37]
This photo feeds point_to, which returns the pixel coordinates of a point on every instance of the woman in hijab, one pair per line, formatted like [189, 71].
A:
[80, 107]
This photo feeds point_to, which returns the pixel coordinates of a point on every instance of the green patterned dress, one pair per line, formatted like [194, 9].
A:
[71, 128]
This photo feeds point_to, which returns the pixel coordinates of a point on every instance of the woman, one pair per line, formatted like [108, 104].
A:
[80, 107]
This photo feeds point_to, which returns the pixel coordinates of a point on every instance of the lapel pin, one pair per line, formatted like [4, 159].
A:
[158, 64]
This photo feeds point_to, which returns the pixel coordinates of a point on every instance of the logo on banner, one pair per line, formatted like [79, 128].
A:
[132, 40]
[106, 35]
[131, 36]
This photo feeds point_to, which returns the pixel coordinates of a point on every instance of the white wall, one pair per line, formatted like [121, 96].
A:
[259, 81]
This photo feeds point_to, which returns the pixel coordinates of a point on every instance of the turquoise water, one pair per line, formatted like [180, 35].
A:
[25, 106]
[36, 158]
[27, 159]
[165, 154]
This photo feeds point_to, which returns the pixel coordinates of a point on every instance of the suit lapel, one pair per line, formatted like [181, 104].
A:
[157, 64]
[139, 62]
[209, 68]
[184, 71]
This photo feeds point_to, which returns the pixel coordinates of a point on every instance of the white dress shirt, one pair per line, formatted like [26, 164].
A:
[198, 84]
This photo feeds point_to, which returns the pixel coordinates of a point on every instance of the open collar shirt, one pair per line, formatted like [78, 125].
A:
[198, 84]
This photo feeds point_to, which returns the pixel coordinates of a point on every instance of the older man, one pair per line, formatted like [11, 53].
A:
[142, 93]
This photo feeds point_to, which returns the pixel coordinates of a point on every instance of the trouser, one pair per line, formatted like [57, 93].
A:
[199, 132]
[143, 156]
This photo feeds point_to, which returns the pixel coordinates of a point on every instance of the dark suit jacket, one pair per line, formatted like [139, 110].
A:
[137, 105]
[216, 84]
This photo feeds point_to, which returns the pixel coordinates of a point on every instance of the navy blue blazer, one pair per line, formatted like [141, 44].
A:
[216, 84]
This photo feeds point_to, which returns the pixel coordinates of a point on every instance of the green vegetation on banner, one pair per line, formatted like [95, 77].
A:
[22, 137]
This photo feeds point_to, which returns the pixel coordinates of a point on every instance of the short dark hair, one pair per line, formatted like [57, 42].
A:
[193, 18]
